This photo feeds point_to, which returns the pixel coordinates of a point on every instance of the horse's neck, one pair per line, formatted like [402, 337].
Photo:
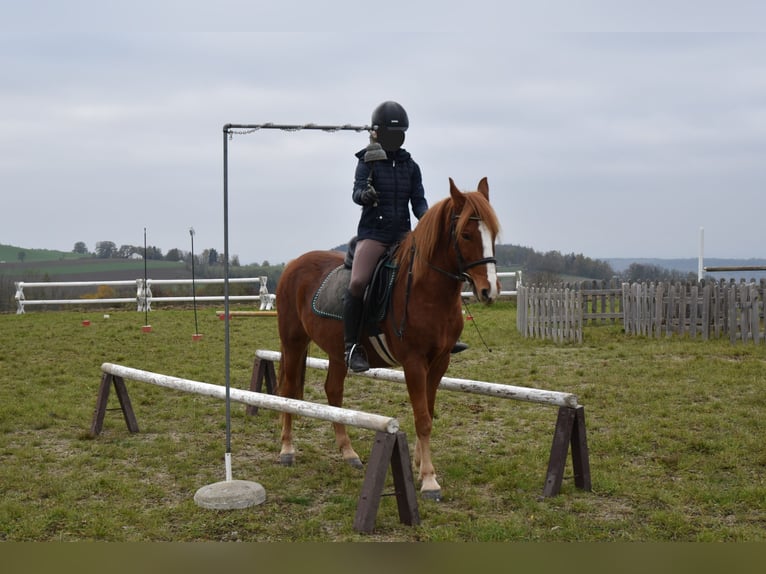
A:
[439, 277]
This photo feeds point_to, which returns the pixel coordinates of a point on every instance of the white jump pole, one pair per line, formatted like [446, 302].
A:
[282, 404]
[526, 394]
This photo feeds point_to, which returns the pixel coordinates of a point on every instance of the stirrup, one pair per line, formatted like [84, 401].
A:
[356, 359]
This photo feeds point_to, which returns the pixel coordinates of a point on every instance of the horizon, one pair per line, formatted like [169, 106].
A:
[637, 259]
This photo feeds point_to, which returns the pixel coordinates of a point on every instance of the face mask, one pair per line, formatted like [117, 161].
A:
[390, 140]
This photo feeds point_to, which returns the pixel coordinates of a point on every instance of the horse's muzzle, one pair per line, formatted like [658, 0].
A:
[486, 296]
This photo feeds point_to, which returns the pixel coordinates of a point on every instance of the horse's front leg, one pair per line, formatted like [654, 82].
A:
[417, 387]
[333, 386]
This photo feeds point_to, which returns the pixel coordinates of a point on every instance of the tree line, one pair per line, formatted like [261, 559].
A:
[109, 250]
[538, 267]
[552, 265]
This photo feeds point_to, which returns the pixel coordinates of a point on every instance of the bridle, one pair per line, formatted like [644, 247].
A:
[461, 275]
[462, 266]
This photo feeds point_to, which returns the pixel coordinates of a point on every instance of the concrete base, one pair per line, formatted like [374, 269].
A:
[230, 494]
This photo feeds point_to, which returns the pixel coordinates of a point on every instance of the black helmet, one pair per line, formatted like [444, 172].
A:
[390, 121]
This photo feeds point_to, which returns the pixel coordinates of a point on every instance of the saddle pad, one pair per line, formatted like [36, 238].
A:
[328, 300]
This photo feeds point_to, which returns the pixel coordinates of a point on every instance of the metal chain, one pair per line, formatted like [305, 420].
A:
[233, 129]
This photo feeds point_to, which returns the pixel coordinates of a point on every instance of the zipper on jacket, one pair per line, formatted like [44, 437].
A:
[396, 194]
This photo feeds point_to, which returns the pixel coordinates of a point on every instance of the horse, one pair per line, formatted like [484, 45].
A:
[453, 242]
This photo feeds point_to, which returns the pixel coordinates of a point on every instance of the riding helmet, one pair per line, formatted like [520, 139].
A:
[390, 121]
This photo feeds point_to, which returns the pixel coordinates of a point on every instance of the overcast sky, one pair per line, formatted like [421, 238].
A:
[615, 139]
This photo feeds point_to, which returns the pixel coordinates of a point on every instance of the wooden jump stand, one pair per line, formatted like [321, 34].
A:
[387, 448]
[570, 429]
[121, 390]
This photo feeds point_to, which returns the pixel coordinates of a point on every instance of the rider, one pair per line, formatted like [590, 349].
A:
[385, 186]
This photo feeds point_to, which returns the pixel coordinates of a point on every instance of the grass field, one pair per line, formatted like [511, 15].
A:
[675, 430]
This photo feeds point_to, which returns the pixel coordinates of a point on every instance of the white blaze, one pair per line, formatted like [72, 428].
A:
[489, 244]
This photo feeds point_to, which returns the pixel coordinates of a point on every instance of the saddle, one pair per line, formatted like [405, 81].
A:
[328, 299]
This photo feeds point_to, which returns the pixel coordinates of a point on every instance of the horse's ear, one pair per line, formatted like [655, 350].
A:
[458, 199]
[484, 187]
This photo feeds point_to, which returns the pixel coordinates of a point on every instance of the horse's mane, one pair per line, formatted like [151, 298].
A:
[434, 226]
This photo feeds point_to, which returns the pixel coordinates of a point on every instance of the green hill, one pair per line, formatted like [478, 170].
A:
[52, 265]
[13, 254]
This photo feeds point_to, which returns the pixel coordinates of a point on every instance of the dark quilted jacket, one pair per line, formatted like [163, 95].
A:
[399, 183]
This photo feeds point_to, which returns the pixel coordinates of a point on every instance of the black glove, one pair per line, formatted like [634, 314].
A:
[369, 196]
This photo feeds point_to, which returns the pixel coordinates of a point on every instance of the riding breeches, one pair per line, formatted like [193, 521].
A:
[366, 256]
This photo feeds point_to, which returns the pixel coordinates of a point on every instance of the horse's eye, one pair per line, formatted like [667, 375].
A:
[466, 236]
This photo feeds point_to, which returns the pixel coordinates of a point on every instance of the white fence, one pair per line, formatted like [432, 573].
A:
[515, 275]
[144, 297]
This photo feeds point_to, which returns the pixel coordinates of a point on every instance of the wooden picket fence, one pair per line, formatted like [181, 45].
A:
[550, 313]
[708, 309]
[559, 312]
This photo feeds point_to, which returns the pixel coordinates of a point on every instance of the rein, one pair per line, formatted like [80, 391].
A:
[399, 331]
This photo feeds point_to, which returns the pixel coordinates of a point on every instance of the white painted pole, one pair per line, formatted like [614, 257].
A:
[76, 301]
[227, 465]
[526, 394]
[73, 283]
[700, 261]
[133, 282]
[513, 293]
[263, 400]
[203, 281]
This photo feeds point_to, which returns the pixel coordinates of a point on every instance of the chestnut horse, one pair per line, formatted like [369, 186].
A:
[453, 242]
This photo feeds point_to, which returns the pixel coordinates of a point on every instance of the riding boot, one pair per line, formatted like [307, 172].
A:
[459, 347]
[356, 357]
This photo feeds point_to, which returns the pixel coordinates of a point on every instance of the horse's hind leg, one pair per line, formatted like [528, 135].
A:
[292, 377]
[333, 386]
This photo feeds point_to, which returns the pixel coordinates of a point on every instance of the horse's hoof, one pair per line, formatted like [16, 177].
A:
[435, 495]
[354, 463]
[286, 459]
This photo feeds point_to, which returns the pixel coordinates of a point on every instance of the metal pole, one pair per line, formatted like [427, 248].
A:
[228, 130]
[194, 285]
[146, 306]
[701, 258]
[226, 295]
